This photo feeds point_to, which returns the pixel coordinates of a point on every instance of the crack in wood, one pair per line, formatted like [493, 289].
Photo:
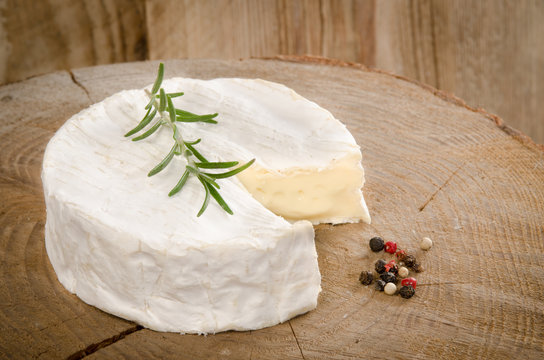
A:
[422, 207]
[296, 339]
[74, 80]
[445, 283]
[80, 354]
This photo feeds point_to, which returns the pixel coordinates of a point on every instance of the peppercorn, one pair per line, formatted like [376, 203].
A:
[380, 266]
[418, 268]
[409, 260]
[390, 247]
[366, 278]
[392, 267]
[390, 289]
[426, 243]
[403, 272]
[401, 254]
[388, 277]
[376, 244]
[409, 281]
[407, 291]
[380, 284]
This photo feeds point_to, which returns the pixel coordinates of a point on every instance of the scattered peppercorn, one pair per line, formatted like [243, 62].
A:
[426, 243]
[380, 266]
[376, 244]
[380, 284]
[392, 267]
[390, 289]
[366, 277]
[403, 272]
[409, 260]
[407, 291]
[390, 247]
[418, 268]
[388, 277]
[401, 254]
[409, 281]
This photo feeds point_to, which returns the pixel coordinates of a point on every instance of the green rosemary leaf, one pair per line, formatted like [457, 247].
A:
[193, 142]
[186, 116]
[209, 121]
[182, 114]
[192, 169]
[172, 95]
[164, 162]
[171, 109]
[216, 165]
[209, 180]
[175, 133]
[203, 176]
[180, 183]
[150, 103]
[215, 194]
[148, 132]
[232, 172]
[158, 81]
[206, 197]
[195, 153]
[162, 101]
[146, 120]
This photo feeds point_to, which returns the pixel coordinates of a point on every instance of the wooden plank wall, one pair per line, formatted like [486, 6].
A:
[487, 52]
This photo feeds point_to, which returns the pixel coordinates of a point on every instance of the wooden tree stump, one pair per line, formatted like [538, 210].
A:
[434, 167]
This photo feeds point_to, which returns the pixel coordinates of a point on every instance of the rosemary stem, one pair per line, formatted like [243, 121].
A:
[165, 119]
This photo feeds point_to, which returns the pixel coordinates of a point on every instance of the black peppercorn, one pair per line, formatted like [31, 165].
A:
[376, 244]
[380, 284]
[380, 266]
[388, 277]
[409, 260]
[407, 291]
[366, 278]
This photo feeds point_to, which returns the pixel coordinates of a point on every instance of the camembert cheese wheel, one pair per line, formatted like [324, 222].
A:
[118, 242]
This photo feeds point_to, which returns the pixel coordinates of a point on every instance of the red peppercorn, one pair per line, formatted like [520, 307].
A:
[401, 254]
[390, 247]
[409, 281]
[392, 267]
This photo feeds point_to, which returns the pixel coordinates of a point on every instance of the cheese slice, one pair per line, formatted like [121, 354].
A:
[116, 240]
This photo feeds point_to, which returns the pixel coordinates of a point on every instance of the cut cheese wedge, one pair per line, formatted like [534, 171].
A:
[117, 240]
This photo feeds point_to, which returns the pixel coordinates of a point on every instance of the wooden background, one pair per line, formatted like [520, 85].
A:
[487, 52]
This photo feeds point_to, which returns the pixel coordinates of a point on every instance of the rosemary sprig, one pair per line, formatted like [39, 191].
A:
[161, 112]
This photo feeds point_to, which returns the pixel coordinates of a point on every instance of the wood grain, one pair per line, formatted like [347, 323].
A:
[487, 52]
[37, 37]
[434, 166]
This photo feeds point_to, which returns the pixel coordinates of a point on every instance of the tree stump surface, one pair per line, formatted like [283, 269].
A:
[434, 167]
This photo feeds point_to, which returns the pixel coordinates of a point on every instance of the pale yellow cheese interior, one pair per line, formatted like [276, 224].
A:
[328, 195]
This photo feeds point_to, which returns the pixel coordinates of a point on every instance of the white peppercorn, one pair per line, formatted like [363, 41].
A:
[390, 289]
[426, 243]
[403, 272]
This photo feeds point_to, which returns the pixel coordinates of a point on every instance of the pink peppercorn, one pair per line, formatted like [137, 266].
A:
[390, 247]
[409, 281]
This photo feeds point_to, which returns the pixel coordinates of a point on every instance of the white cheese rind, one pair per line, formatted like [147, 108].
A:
[116, 240]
